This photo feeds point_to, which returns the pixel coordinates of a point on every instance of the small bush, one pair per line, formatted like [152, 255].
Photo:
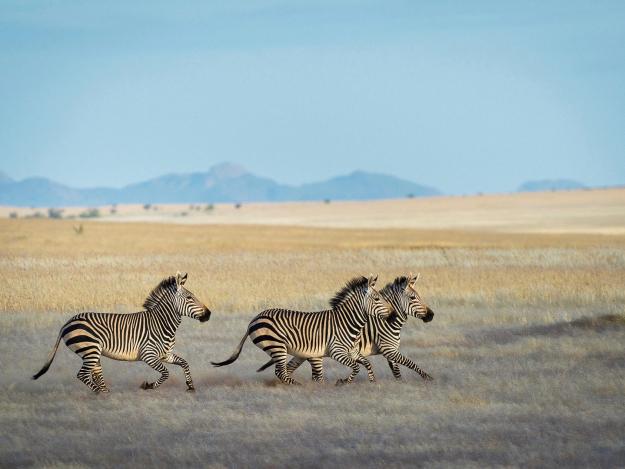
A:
[326, 201]
[238, 205]
[209, 207]
[147, 206]
[35, 215]
[90, 213]
[410, 196]
[55, 213]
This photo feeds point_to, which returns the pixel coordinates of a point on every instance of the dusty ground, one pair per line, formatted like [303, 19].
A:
[527, 348]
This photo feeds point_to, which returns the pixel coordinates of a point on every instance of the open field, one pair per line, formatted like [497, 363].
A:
[585, 211]
[527, 347]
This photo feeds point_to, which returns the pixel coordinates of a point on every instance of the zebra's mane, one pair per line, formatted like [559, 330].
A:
[156, 295]
[351, 286]
[398, 284]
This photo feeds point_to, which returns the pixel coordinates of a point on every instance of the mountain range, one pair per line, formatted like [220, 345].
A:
[225, 182]
[550, 185]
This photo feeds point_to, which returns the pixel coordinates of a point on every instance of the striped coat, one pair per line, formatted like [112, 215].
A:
[148, 335]
[329, 333]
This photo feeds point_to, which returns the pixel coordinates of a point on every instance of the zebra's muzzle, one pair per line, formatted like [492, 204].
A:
[428, 316]
[206, 316]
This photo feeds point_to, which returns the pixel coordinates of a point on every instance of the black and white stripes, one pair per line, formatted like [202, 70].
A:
[148, 335]
[329, 333]
[361, 322]
[381, 336]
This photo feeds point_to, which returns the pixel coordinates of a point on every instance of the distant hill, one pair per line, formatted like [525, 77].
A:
[550, 185]
[225, 182]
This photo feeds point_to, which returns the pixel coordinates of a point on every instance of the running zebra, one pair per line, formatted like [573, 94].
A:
[382, 336]
[147, 336]
[329, 333]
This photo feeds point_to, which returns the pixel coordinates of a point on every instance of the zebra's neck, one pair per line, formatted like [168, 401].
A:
[399, 317]
[167, 316]
[351, 314]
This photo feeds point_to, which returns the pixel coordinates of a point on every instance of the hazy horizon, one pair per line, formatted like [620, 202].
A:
[466, 98]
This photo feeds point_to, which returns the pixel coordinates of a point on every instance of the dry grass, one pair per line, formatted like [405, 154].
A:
[526, 348]
[243, 268]
[600, 211]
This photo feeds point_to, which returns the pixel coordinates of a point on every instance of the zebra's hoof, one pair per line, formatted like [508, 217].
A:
[105, 390]
[427, 377]
[342, 382]
[190, 389]
[146, 385]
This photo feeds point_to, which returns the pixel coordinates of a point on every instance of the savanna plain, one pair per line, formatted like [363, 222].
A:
[527, 346]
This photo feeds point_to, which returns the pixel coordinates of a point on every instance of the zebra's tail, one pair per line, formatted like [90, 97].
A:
[50, 357]
[265, 366]
[236, 353]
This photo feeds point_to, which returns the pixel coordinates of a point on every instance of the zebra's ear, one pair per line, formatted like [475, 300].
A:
[181, 278]
[412, 279]
[372, 280]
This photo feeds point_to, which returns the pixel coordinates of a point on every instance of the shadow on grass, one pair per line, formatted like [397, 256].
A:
[599, 324]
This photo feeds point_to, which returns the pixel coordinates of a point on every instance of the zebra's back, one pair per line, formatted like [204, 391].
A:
[305, 334]
[117, 336]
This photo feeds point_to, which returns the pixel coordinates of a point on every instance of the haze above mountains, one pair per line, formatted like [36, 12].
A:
[227, 182]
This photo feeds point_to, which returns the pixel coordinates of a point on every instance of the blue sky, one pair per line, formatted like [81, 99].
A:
[463, 96]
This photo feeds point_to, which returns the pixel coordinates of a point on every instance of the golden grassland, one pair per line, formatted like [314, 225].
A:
[526, 346]
[112, 266]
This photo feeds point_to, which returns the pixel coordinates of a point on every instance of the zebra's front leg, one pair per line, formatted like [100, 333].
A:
[363, 361]
[156, 364]
[343, 357]
[395, 369]
[177, 360]
[395, 356]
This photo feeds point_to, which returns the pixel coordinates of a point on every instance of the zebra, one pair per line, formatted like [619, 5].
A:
[147, 336]
[329, 333]
[382, 336]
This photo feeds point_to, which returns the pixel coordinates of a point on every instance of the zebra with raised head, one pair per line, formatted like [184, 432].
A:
[329, 333]
[381, 336]
[147, 336]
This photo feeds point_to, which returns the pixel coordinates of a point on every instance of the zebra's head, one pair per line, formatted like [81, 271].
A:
[375, 304]
[411, 302]
[187, 303]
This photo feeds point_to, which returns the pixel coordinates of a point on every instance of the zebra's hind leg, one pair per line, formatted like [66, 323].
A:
[395, 369]
[294, 364]
[317, 369]
[156, 364]
[278, 355]
[89, 363]
[177, 360]
[98, 379]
